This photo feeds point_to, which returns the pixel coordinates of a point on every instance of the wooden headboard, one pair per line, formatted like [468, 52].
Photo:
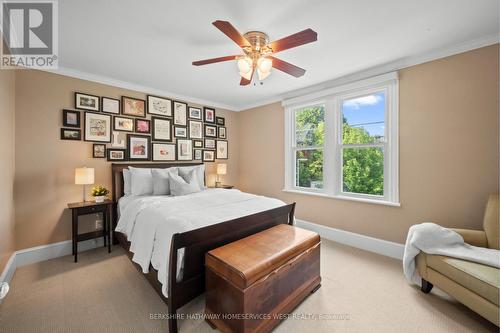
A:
[117, 173]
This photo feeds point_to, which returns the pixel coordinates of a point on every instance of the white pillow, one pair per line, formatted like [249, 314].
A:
[127, 186]
[161, 180]
[199, 171]
[178, 186]
[142, 181]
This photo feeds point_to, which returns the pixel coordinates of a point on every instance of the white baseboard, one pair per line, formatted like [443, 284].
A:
[44, 252]
[380, 246]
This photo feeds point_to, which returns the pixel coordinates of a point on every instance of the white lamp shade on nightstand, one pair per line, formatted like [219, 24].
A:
[221, 169]
[84, 176]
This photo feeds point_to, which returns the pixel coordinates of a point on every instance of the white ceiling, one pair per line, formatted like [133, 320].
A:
[152, 43]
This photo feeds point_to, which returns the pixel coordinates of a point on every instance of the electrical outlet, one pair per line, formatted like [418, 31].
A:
[98, 222]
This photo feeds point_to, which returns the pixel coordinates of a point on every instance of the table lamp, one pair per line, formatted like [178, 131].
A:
[221, 170]
[84, 176]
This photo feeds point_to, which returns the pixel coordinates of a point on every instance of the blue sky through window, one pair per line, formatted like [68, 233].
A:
[366, 112]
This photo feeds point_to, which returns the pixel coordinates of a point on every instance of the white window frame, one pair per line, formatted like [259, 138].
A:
[332, 149]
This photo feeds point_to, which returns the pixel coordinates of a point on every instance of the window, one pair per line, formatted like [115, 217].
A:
[345, 146]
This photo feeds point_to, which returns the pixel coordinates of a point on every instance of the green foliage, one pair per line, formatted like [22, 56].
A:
[363, 169]
[99, 190]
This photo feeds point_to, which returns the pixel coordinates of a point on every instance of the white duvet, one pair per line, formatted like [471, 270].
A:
[150, 221]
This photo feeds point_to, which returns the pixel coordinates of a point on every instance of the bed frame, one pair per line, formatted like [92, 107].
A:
[195, 243]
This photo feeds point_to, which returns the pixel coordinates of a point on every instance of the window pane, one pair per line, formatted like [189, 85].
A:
[310, 126]
[309, 168]
[363, 170]
[363, 119]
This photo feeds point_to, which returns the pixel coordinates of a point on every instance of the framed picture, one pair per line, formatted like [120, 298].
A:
[222, 132]
[162, 129]
[159, 106]
[116, 154]
[71, 134]
[221, 121]
[97, 127]
[138, 147]
[208, 155]
[118, 140]
[110, 105]
[123, 124]
[194, 113]
[180, 113]
[99, 150]
[210, 131]
[184, 150]
[163, 152]
[133, 107]
[209, 115]
[142, 126]
[86, 102]
[210, 143]
[71, 118]
[198, 154]
[222, 150]
[195, 129]
[198, 143]
[180, 132]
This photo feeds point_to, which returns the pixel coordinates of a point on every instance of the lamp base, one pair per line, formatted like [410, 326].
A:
[218, 184]
[4, 289]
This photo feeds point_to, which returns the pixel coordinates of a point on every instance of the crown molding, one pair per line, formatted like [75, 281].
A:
[65, 71]
[339, 80]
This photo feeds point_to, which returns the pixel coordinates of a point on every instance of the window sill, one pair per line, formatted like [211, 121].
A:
[343, 197]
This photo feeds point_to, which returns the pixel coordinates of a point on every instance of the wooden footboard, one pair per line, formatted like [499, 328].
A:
[199, 241]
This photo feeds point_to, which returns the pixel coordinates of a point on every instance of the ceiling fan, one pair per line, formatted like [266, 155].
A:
[258, 52]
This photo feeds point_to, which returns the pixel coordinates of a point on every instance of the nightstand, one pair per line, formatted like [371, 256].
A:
[91, 207]
[227, 187]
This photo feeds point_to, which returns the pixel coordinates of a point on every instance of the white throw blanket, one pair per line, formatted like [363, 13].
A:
[434, 239]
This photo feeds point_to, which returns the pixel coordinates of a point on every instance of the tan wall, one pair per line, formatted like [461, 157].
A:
[7, 163]
[45, 164]
[449, 151]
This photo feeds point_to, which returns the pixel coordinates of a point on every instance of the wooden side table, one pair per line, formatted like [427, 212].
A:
[91, 207]
[227, 187]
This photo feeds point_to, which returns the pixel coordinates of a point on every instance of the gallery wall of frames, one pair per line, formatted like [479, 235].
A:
[151, 129]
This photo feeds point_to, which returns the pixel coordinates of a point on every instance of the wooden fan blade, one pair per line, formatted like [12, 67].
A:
[245, 82]
[231, 32]
[300, 38]
[287, 67]
[213, 60]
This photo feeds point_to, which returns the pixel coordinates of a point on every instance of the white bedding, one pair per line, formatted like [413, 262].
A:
[150, 221]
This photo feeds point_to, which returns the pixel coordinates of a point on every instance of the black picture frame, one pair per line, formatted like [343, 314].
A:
[155, 136]
[220, 130]
[178, 142]
[65, 118]
[147, 146]
[191, 116]
[176, 128]
[112, 99]
[151, 110]
[123, 130]
[197, 151]
[77, 138]
[200, 123]
[137, 120]
[108, 154]
[176, 119]
[163, 143]
[100, 114]
[221, 157]
[207, 111]
[211, 159]
[207, 126]
[87, 108]
[220, 121]
[197, 143]
[123, 108]
[94, 146]
[210, 146]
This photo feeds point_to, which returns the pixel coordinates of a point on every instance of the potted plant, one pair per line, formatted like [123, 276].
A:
[99, 193]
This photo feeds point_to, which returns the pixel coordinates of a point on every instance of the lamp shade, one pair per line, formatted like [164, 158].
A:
[84, 176]
[221, 169]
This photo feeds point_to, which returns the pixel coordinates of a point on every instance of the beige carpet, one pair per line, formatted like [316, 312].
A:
[365, 292]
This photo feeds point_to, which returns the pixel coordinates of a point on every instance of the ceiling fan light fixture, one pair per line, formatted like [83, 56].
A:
[245, 65]
[247, 75]
[264, 64]
[262, 75]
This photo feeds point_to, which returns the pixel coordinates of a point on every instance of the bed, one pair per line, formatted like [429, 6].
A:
[181, 265]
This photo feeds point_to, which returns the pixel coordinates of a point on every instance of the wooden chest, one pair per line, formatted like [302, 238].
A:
[250, 282]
